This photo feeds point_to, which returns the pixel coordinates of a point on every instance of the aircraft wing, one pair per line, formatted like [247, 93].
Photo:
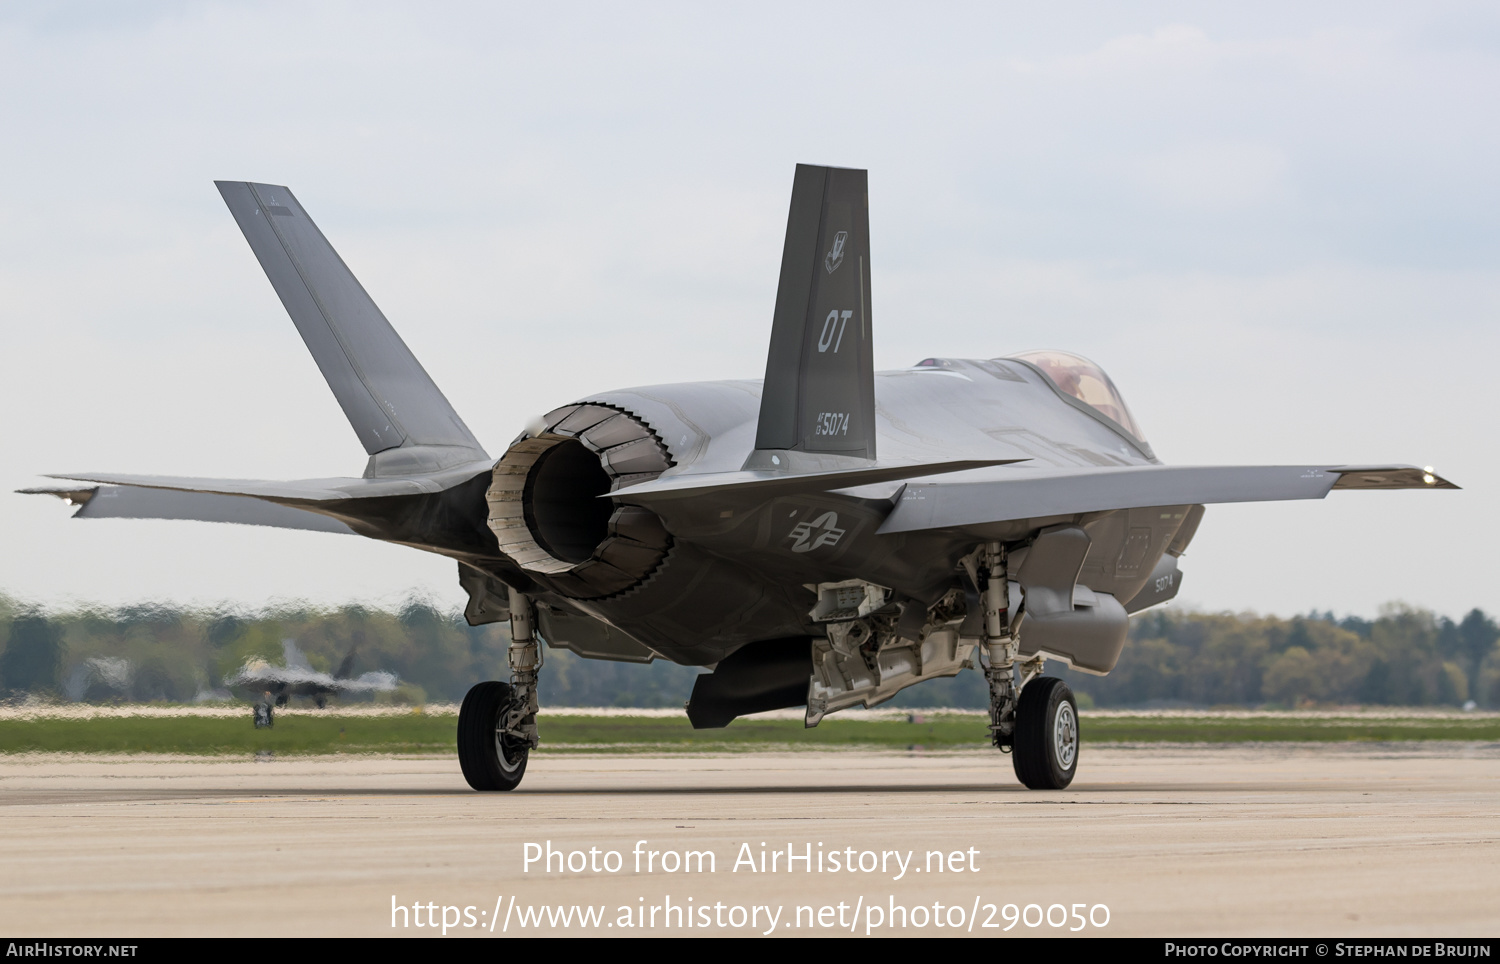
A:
[372, 682]
[254, 676]
[955, 505]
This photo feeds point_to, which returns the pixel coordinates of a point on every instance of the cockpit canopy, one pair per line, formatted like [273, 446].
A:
[1080, 378]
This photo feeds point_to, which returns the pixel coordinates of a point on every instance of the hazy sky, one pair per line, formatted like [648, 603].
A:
[1277, 226]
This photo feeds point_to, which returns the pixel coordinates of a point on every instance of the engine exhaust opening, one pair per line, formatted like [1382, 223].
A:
[546, 510]
[563, 508]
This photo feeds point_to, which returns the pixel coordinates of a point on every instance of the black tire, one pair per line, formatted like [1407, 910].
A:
[1046, 739]
[490, 761]
[263, 715]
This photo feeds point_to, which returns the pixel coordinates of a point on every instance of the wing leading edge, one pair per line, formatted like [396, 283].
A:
[957, 505]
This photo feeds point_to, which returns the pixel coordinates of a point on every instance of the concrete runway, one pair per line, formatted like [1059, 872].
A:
[1320, 840]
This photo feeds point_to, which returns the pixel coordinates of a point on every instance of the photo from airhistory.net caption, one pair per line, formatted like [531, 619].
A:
[860, 892]
[857, 891]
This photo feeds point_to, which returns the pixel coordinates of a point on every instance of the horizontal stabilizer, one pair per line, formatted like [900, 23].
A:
[940, 505]
[129, 502]
[387, 395]
[767, 484]
[440, 512]
[295, 492]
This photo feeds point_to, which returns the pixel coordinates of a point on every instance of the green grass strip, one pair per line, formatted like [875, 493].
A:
[230, 735]
[1291, 729]
[425, 734]
[305, 734]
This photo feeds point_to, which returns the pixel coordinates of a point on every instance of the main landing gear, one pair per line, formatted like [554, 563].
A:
[497, 721]
[1036, 723]
[491, 758]
[1045, 751]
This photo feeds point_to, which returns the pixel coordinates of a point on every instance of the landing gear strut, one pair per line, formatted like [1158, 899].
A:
[497, 721]
[1036, 724]
[1000, 643]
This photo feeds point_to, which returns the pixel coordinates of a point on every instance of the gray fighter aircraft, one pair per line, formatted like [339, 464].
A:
[271, 686]
[824, 538]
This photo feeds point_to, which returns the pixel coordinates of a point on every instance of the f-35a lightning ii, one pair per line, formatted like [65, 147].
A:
[823, 538]
[271, 686]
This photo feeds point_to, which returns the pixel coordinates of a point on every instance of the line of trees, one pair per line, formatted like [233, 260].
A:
[1404, 657]
[152, 653]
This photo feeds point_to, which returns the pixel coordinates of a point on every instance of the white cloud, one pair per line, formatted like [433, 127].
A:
[1214, 177]
[1172, 48]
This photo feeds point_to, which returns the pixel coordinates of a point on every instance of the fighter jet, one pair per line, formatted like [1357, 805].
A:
[271, 686]
[824, 537]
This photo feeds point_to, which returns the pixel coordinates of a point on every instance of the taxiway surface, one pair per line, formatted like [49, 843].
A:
[1320, 840]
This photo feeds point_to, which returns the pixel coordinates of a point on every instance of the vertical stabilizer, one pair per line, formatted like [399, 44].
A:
[388, 397]
[819, 393]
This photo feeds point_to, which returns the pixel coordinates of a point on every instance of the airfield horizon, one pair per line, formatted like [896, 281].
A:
[227, 732]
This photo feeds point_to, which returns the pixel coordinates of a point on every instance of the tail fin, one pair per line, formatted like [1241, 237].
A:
[387, 396]
[819, 392]
[291, 655]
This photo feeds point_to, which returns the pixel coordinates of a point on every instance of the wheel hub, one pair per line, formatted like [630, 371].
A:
[507, 752]
[1065, 735]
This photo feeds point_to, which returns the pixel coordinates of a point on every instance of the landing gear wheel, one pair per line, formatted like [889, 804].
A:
[263, 715]
[1046, 739]
[490, 759]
